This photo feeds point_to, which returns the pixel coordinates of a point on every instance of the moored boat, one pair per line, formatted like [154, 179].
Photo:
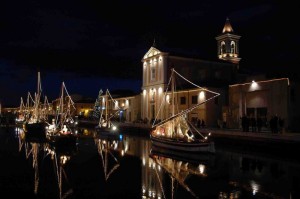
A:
[176, 132]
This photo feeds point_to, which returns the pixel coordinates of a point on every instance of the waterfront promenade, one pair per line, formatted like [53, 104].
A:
[265, 135]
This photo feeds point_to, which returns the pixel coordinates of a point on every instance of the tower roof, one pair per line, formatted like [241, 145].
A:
[227, 27]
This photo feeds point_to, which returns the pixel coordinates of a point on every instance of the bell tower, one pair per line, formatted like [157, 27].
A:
[228, 44]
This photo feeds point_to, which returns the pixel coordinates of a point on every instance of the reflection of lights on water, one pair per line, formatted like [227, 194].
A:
[201, 168]
[144, 189]
[153, 165]
[64, 159]
[153, 194]
[144, 161]
[122, 152]
[85, 132]
[254, 186]
[121, 137]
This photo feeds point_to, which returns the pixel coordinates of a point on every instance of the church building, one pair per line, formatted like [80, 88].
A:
[213, 75]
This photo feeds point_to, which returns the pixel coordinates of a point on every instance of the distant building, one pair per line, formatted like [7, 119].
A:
[275, 96]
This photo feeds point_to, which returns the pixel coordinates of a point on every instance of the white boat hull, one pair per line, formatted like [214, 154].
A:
[193, 147]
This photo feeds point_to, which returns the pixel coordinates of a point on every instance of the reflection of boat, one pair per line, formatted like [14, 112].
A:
[60, 156]
[176, 132]
[32, 150]
[108, 149]
[61, 129]
[35, 126]
[182, 155]
[179, 171]
[105, 125]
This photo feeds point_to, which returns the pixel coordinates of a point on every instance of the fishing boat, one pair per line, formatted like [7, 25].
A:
[61, 129]
[35, 125]
[106, 128]
[177, 132]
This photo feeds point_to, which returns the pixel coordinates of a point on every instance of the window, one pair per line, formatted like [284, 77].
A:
[232, 47]
[153, 74]
[182, 100]
[194, 99]
[223, 48]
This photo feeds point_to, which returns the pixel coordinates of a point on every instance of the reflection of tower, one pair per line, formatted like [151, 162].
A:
[228, 44]
[151, 173]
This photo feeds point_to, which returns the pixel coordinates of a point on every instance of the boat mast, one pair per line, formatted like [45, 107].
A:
[37, 98]
[62, 105]
[173, 99]
[106, 106]
[172, 92]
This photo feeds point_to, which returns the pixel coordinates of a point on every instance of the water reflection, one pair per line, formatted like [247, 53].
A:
[178, 171]
[44, 153]
[60, 156]
[130, 167]
[106, 149]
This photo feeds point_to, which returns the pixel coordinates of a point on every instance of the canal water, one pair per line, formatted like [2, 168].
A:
[128, 167]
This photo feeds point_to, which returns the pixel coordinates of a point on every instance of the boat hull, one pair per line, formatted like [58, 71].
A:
[176, 145]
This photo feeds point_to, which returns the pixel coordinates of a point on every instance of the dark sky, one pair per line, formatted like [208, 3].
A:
[99, 44]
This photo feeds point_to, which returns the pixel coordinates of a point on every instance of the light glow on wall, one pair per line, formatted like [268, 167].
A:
[264, 81]
[159, 90]
[168, 99]
[201, 96]
[144, 92]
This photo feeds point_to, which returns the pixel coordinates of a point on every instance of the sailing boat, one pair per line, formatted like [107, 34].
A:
[21, 115]
[60, 130]
[105, 127]
[35, 126]
[176, 132]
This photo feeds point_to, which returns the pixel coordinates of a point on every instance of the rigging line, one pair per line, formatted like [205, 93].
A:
[65, 88]
[114, 101]
[161, 105]
[195, 84]
[195, 128]
[184, 111]
[159, 180]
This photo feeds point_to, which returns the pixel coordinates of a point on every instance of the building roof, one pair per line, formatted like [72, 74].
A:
[227, 27]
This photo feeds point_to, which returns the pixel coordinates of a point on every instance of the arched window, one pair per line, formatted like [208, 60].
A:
[223, 48]
[232, 47]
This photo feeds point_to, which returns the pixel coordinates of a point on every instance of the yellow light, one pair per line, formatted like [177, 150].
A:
[159, 90]
[202, 95]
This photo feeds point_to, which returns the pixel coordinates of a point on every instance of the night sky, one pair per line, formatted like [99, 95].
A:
[92, 45]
